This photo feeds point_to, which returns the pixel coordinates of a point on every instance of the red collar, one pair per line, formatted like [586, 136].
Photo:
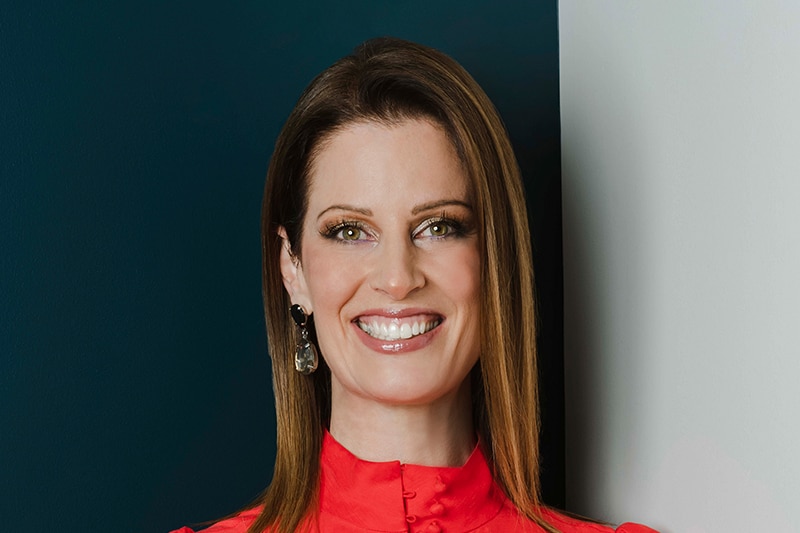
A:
[389, 496]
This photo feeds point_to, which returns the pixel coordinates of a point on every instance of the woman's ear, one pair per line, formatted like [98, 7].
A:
[292, 273]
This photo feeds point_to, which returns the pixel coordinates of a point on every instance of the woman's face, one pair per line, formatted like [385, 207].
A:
[389, 263]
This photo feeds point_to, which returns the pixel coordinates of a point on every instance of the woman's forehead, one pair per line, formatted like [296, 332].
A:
[384, 164]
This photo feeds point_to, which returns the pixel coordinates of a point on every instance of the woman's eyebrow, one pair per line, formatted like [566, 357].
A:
[345, 207]
[439, 203]
[417, 209]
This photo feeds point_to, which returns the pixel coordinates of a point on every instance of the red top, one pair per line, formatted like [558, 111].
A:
[358, 496]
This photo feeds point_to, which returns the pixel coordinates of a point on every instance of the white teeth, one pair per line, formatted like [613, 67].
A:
[395, 330]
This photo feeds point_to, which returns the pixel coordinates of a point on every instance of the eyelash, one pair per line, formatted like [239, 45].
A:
[456, 229]
[332, 231]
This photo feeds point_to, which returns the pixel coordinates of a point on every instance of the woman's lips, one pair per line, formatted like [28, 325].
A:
[395, 332]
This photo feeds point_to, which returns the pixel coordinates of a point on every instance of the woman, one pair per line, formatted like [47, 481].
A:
[394, 227]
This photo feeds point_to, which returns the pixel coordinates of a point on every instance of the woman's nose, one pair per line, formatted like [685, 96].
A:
[396, 271]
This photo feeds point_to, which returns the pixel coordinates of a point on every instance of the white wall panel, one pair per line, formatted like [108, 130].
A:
[681, 197]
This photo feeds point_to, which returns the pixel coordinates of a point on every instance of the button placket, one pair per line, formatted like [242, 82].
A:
[407, 495]
[423, 506]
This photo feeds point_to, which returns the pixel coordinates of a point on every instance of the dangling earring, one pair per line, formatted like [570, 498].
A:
[305, 356]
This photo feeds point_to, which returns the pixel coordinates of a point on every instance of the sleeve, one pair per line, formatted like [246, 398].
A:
[628, 527]
[235, 524]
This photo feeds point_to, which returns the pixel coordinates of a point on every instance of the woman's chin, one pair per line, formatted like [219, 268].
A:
[410, 389]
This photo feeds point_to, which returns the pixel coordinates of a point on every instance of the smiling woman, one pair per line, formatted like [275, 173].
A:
[394, 226]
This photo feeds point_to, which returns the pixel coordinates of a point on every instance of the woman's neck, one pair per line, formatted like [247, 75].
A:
[436, 434]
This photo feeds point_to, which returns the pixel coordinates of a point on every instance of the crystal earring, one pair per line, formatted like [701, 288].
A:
[305, 355]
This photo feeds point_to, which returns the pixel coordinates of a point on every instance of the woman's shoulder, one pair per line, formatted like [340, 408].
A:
[569, 524]
[235, 524]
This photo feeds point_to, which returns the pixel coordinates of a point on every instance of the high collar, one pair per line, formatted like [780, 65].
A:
[392, 496]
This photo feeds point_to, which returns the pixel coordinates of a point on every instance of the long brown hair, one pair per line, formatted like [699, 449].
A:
[390, 80]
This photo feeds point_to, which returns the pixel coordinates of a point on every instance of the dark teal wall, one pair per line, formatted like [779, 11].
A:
[134, 379]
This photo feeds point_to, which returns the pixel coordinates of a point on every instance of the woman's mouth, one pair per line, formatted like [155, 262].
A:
[394, 328]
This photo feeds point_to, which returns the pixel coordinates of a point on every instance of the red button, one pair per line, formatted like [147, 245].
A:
[409, 494]
[433, 527]
[411, 519]
[437, 509]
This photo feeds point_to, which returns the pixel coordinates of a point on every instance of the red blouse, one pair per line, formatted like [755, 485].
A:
[359, 496]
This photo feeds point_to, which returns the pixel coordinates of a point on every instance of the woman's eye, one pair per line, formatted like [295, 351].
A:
[438, 228]
[351, 233]
[347, 231]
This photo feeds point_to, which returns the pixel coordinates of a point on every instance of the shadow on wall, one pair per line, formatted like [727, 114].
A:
[604, 278]
[582, 409]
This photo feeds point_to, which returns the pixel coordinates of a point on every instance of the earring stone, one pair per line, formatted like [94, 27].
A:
[306, 357]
